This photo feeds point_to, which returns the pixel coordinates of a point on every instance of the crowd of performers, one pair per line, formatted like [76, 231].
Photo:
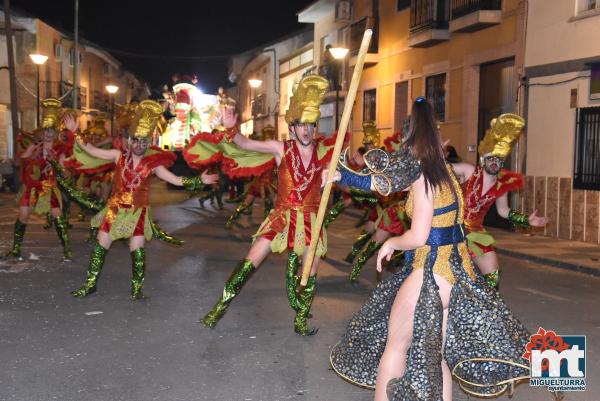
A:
[439, 314]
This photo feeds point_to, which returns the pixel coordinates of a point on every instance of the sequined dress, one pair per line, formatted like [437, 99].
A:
[479, 324]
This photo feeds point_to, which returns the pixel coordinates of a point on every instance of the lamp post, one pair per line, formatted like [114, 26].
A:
[338, 53]
[38, 59]
[254, 84]
[112, 89]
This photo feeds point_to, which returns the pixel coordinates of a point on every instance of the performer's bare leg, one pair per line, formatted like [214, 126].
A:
[400, 330]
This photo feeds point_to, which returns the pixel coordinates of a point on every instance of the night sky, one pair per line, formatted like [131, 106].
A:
[189, 37]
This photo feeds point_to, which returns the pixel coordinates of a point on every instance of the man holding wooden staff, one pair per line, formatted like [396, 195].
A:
[300, 162]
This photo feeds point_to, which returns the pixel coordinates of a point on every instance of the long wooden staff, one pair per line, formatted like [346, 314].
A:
[337, 149]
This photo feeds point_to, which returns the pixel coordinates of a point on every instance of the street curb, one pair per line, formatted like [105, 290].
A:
[551, 262]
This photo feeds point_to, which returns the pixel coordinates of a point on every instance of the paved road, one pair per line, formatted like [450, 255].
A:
[105, 347]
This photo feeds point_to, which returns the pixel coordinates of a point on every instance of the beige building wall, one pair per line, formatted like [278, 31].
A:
[35, 36]
[459, 58]
[557, 30]
[559, 50]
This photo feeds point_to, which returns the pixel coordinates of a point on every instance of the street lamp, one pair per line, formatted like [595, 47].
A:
[38, 59]
[112, 89]
[338, 53]
[255, 83]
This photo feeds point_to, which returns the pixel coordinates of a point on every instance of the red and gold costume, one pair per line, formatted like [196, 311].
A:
[288, 226]
[127, 213]
[477, 205]
[39, 190]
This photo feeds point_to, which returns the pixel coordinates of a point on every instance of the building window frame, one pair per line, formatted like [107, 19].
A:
[402, 5]
[436, 93]
[370, 105]
[586, 166]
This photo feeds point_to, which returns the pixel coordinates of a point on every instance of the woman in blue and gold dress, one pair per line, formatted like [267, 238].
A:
[436, 317]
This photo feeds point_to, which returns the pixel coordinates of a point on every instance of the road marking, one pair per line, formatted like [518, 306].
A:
[541, 293]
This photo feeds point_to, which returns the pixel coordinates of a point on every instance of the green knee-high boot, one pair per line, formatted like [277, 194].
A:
[493, 279]
[61, 229]
[292, 279]
[67, 211]
[203, 198]
[233, 286]
[138, 269]
[334, 212]
[19, 233]
[49, 221]
[358, 245]
[93, 234]
[365, 255]
[306, 297]
[93, 272]
[241, 208]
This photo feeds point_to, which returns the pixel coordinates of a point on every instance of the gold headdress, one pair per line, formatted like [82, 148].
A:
[268, 132]
[51, 113]
[306, 99]
[147, 114]
[98, 127]
[504, 131]
[125, 118]
[371, 134]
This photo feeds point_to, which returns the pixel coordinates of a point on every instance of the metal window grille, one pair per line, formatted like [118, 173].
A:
[587, 149]
[402, 4]
[461, 8]
[370, 105]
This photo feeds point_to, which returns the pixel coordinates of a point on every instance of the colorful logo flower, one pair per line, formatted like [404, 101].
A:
[545, 340]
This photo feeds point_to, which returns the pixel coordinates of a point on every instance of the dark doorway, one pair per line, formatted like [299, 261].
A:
[496, 96]
[400, 105]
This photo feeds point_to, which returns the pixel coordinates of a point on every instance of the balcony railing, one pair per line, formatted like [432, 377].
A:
[428, 14]
[358, 28]
[62, 90]
[460, 8]
[100, 101]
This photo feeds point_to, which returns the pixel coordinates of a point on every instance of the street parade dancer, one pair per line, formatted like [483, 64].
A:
[127, 214]
[488, 184]
[299, 164]
[353, 196]
[39, 191]
[260, 187]
[391, 220]
[435, 318]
